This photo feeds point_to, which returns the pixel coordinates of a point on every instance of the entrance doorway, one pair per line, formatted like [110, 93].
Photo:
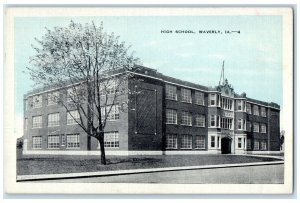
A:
[225, 145]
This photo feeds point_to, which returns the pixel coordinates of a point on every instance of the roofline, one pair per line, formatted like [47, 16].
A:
[160, 79]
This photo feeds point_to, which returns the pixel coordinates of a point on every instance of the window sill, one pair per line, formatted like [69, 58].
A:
[186, 102]
[171, 124]
[171, 148]
[186, 125]
[187, 148]
[199, 126]
[52, 104]
[200, 148]
[171, 99]
[200, 104]
[72, 124]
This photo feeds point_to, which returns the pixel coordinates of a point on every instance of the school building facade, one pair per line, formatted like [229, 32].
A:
[164, 116]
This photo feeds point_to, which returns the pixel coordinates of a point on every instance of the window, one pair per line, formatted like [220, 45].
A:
[53, 98]
[37, 142]
[263, 128]
[212, 141]
[239, 143]
[186, 95]
[263, 112]
[256, 145]
[249, 126]
[200, 120]
[26, 105]
[263, 145]
[74, 93]
[199, 98]
[186, 142]
[111, 139]
[248, 107]
[37, 122]
[171, 116]
[239, 105]
[200, 142]
[249, 144]
[25, 123]
[63, 140]
[114, 113]
[37, 101]
[226, 103]
[240, 124]
[213, 98]
[53, 141]
[109, 87]
[53, 119]
[171, 92]
[226, 123]
[186, 118]
[255, 127]
[73, 141]
[71, 94]
[255, 110]
[212, 121]
[73, 117]
[171, 141]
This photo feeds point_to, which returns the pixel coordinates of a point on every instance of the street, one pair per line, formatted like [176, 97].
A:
[266, 174]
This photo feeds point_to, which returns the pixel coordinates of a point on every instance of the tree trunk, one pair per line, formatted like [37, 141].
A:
[102, 150]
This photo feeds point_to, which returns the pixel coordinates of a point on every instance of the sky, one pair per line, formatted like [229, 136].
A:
[253, 57]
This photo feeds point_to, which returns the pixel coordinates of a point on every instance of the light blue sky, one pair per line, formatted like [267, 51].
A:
[253, 58]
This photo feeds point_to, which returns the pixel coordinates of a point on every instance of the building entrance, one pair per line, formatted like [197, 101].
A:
[226, 145]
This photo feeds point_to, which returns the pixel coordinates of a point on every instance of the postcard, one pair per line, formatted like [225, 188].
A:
[148, 100]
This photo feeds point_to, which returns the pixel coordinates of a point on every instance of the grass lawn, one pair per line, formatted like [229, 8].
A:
[41, 164]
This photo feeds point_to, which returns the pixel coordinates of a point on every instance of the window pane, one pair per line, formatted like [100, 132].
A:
[37, 101]
[53, 119]
[186, 118]
[186, 142]
[200, 142]
[171, 116]
[200, 120]
[53, 98]
[111, 139]
[73, 141]
[37, 122]
[53, 141]
[199, 98]
[171, 141]
[73, 117]
[212, 141]
[171, 92]
[37, 142]
[186, 95]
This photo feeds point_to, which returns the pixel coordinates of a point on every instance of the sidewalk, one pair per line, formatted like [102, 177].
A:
[265, 156]
[135, 171]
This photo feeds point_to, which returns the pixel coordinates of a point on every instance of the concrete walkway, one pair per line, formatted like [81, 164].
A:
[136, 171]
[265, 156]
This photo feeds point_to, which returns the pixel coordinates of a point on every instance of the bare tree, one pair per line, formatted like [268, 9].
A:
[88, 65]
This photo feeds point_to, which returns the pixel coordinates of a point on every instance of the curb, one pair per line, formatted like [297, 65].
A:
[22, 178]
[265, 156]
